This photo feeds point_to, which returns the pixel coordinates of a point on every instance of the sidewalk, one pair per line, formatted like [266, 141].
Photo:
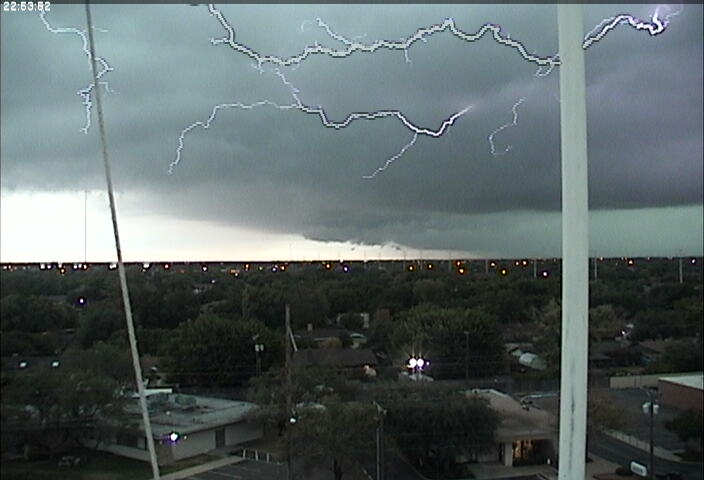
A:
[493, 471]
[201, 468]
[599, 466]
[643, 445]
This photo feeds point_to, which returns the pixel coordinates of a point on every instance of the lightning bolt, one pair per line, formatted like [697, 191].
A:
[502, 127]
[320, 112]
[105, 67]
[351, 46]
[654, 27]
[392, 159]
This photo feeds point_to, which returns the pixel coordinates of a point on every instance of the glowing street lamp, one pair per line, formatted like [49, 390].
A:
[417, 364]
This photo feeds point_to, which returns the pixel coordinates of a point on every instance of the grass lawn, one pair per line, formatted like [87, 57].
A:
[100, 466]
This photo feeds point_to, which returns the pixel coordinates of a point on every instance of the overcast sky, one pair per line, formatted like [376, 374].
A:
[262, 183]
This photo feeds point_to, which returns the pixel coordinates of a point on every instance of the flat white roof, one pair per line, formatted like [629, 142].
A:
[692, 381]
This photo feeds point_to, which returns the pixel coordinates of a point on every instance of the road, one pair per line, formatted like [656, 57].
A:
[622, 454]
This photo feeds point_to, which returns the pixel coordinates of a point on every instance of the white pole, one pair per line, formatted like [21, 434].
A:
[85, 226]
[575, 245]
[120, 265]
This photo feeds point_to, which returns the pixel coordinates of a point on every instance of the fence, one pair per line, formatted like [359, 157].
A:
[259, 456]
[637, 381]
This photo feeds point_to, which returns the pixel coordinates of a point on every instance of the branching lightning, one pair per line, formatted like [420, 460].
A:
[320, 112]
[545, 66]
[392, 159]
[351, 46]
[654, 27]
[513, 123]
[84, 93]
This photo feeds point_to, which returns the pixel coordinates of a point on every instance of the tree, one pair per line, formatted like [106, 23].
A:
[341, 432]
[52, 408]
[438, 334]
[34, 314]
[433, 429]
[99, 321]
[604, 323]
[308, 385]
[681, 356]
[430, 291]
[604, 414]
[351, 321]
[263, 303]
[215, 350]
[688, 426]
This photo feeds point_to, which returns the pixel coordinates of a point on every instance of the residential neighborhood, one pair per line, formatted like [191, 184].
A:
[385, 371]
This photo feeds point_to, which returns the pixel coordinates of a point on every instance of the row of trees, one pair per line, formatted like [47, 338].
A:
[48, 409]
[336, 423]
[165, 299]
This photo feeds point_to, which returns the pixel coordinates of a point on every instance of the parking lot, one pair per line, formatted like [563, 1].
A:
[247, 470]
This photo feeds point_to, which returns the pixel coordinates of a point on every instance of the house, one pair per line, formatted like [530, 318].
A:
[527, 435]
[613, 353]
[183, 426]
[332, 357]
[682, 391]
[320, 337]
[652, 350]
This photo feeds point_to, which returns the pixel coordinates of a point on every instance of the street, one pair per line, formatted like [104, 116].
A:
[622, 454]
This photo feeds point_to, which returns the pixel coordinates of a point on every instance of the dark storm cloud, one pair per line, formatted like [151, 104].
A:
[283, 171]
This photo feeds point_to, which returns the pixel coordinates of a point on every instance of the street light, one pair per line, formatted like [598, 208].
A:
[258, 349]
[416, 365]
[651, 408]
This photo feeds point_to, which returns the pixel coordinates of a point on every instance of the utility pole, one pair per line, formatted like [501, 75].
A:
[535, 268]
[380, 442]
[651, 408]
[681, 276]
[575, 245]
[258, 349]
[595, 264]
[466, 357]
[287, 347]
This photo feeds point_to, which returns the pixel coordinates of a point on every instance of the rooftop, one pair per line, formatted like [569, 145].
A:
[335, 357]
[518, 422]
[190, 413]
[693, 381]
